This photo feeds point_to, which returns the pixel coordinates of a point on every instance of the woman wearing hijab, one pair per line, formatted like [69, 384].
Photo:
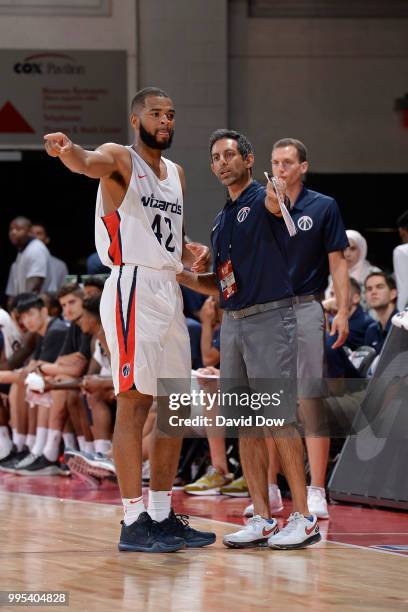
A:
[358, 266]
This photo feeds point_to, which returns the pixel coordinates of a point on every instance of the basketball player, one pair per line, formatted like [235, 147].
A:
[139, 235]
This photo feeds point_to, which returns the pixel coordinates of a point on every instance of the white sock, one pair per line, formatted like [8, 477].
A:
[69, 440]
[52, 445]
[89, 447]
[81, 443]
[272, 488]
[133, 508]
[40, 440]
[5, 442]
[159, 504]
[19, 440]
[103, 446]
[30, 441]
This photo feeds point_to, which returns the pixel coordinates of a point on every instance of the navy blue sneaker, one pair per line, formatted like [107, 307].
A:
[146, 535]
[177, 525]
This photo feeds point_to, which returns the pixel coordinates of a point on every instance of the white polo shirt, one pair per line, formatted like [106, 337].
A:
[33, 261]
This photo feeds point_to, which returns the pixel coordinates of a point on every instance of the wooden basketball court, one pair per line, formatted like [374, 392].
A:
[51, 541]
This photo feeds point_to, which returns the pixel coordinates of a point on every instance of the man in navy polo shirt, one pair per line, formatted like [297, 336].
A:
[381, 296]
[316, 250]
[258, 332]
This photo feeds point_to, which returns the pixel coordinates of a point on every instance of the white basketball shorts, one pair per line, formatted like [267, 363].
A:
[145, 329]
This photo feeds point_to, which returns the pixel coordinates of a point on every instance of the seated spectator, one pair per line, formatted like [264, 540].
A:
[93, 286]
[381, 294]
[32, 269]
[59, 267]
[51, 334]
[52, 304]
[359, 319]
[23, 348]
[338, 363]
[400, 260]
[75, 354]
[72, 362]
[358, 266]
[98, 387]
[12, 336]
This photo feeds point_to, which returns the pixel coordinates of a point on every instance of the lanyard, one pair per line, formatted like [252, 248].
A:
[221, 227]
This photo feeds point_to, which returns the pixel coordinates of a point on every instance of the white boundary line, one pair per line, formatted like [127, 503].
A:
[368, 548]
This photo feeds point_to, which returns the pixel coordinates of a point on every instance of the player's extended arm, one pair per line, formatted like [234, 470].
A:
[341, 286]
[203, 283]
[95, 164]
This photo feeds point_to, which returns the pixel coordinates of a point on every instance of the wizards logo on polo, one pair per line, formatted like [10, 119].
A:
[305, 223]
[243, 213]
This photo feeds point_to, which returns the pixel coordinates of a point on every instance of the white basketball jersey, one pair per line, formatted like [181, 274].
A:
[147, 228]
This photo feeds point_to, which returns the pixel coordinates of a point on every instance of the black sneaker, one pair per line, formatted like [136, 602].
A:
[41, 467]
[146, 535]
[177, 525]
[9, 463]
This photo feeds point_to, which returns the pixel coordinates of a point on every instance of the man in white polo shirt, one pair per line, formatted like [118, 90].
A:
[32, 270]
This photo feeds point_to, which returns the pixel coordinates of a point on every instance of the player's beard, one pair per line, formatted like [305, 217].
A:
[150, 139]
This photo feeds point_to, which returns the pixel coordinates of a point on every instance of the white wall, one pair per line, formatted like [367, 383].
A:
[330, 83]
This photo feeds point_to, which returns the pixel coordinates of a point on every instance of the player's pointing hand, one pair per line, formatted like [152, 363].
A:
[57, 144]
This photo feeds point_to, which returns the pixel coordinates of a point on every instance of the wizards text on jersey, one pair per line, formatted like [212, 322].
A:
[162, 205]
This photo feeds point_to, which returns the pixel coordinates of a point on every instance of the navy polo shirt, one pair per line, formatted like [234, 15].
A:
[375, 335]
[248, 233]
[320, 231]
